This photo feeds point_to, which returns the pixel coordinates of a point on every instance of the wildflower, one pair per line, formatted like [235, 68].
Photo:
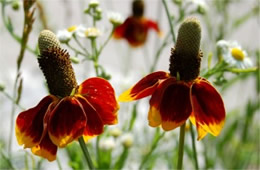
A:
[115, 132]
[64, 36]
[234, 55]
[92, 32]
[107, 144]
[181, 94]
[136, 27]
[127, 140]
[115, 18]
[70, 110]
[201, 6]
[93, 3]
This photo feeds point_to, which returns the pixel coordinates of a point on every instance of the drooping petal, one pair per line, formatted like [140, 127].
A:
[67, 121]
[101, 95]
[170, 105]
[145, 87]
[29, 124]
[45, 149]
[208, 107]
[94, 124]
[152, 25]
[201, 132]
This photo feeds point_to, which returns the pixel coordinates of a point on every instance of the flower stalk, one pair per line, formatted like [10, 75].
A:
[86, 153]
[181, 146]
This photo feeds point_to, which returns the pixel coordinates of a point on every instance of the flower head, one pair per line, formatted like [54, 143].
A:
[136, 27]
[234, 55]
[64, 36]
[127, 140]
[92, 32]
[107, 144]
[70, 110]
[115, 18]
[181, 94]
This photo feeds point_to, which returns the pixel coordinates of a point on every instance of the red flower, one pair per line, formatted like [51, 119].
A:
[56, 121]
[174, 101]
[135, 30]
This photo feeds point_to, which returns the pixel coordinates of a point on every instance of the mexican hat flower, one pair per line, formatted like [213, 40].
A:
[70, 111]
[181, 94]
[135, 28]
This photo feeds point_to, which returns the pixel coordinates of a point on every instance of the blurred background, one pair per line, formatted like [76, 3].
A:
[237, 147]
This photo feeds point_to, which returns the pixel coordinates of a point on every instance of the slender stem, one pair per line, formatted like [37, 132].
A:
[13, 100]
[105, 43]
[94, 53]
[77, 51]
[181, 146]
[86, 153]
[156, 139]
[170, 20]
[97, 150]
[59, 164]
[80, 45]
[194, 146]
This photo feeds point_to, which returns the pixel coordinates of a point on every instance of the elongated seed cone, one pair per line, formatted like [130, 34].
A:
[189, 35]
[56, 65]
[186, 55]
[47, 39]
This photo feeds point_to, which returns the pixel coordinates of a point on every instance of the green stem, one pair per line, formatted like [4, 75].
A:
[105, 43]
[170, 20]
[194, 146]
[80, 45]
[156, 139]
[94, 53]
[13, 100]
[59, 164]
[77, 51]
[86, 153]
[98, 151]
[181, 146]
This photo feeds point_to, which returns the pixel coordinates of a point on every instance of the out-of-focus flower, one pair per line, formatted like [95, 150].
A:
[115, 18]
[234, 55]
[16, 4]
[181, 94]
[107, 144]
[70, 110]
[92, 32]
[115, 132]
[93, 3]
[136, 27]
[64, 36]
[127, 140]
[201, 5]
[2, 87]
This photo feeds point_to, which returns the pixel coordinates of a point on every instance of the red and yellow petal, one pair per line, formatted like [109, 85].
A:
[208, 108]
[201, 132]
[94, 124]
[145, 87]
[29, 124]
[67, 121]
[170, 105]
[45, 149]
[101, 95]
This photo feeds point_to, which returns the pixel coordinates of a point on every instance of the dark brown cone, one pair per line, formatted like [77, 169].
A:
[188, 68]
[138, 8]
[57, 69]
[186, 55]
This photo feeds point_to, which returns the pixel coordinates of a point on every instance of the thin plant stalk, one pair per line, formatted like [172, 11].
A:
[194, 146]
[181, 146]
[86, 153]
[170, 20]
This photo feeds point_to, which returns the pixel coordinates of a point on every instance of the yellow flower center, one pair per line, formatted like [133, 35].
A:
[237, 54]
[72, 28]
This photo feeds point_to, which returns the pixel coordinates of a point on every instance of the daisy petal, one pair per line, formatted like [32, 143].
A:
[29, 124]
[170, 105]
[101, 95]
[145, 87]
[67, 121]
[46, 149]
[208, 108]
[94, 122]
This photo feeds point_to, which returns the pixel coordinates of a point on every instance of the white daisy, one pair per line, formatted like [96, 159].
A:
[92, 32]
[107, 144]
[64, 36]
[201, 5]
[93, 3]
[115, 18]
[234, 55]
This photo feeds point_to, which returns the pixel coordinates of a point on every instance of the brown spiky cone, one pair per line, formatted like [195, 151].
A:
[186, 55]
[55, 65]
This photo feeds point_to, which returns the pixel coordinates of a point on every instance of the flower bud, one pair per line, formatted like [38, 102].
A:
[127, 140]
[115, 132]
[107, 144]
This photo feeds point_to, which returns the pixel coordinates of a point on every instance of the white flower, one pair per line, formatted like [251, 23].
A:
[127, 140]
[107, 144]
[93, 3]
[80, 31]
[64, 36]
[92, 32]
[115, 132]
[234, 55]
[201, 5]
[115, 18]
